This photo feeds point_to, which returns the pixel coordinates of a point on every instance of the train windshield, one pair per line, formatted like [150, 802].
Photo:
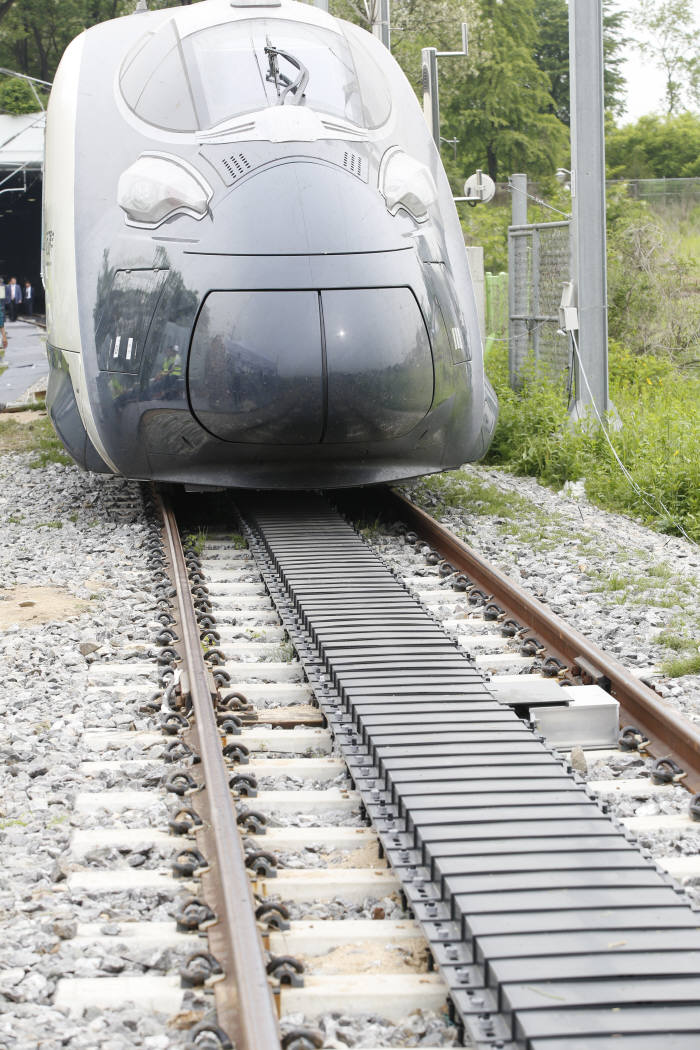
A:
[220, 73]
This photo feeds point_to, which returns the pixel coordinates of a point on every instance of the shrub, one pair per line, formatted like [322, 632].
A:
[658, 442]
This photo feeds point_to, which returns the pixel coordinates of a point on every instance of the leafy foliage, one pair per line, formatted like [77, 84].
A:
[653, 273]
[670, 40]
[655, 148]
[658, 442]
[552, 54]
[16, 97]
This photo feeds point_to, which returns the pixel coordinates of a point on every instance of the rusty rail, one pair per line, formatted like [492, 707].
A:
[668, 732]
[244, 1000]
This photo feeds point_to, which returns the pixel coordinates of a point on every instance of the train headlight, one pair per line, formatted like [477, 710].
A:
[406, 183]
[157, 186]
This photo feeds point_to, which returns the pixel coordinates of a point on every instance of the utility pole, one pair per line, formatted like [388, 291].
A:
[381, 25]
[323, 4]
[517, 265]
[588, 200]
[431, 91]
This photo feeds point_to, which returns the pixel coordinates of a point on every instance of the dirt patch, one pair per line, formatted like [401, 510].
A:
[38, 605]
[364, 857]
[23, 418]
[22, 435]
[370, 957]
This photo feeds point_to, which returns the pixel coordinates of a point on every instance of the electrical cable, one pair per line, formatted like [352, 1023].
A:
[538, 200]
[640, 492]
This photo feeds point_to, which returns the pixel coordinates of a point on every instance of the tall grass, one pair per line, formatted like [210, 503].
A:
[658, 402]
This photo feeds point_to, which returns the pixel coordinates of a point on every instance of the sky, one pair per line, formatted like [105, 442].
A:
[645, 83]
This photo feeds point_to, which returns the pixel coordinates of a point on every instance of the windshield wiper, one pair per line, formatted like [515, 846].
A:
[283, 85]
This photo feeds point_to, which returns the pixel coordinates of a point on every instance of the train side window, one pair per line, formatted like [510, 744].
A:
[155, 84]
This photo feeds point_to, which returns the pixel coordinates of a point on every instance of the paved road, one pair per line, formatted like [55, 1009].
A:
[25, 359]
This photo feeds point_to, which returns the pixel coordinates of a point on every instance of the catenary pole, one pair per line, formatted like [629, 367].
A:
[381, 26]
[517, 272]
[588, 201]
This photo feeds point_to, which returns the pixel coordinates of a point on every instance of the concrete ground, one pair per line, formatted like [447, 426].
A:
[25, 361]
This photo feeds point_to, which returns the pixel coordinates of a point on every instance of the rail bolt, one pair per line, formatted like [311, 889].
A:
[208, 1036]
[193, 915]
[244, 784]
[301, 1039]
[180, 783]
[287, 970]
[631, 739]
[172, 723]
[235, 702]
[251, 821]
[262, 863]
[237, 753]
[188, 862]
[185, 821]
[666, 771]
[229, 724]
[273, 916]
[177, 751]
[199, 968]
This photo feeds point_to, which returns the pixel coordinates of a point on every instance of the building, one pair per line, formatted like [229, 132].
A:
[21, 168]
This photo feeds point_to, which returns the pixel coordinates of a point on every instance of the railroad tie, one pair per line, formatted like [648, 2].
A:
[551, 929]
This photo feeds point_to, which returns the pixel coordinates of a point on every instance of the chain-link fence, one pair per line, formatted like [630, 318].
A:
[496, 308]
[539, 264]
[662, 193]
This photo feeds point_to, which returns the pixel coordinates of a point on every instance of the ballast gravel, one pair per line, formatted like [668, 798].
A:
[82, 536]
[618, 582]
[74, 552]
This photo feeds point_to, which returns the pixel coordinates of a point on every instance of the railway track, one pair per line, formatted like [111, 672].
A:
[509, 894]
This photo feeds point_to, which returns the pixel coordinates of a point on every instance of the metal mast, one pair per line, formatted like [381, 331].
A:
[588, 200]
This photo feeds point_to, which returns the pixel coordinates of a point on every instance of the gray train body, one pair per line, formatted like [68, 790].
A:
[253, 278]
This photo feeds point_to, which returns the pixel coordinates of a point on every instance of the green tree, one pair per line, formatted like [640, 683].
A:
[552, 54]
[499, 103]
[655, 148]
[35, 33]
[672, 42]
[16, 96]
[496, 102]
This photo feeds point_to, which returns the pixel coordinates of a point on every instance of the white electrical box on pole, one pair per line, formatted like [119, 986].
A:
[588, 205]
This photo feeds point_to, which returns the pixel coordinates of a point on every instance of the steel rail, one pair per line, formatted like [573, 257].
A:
[250, 1008]
[668, 732]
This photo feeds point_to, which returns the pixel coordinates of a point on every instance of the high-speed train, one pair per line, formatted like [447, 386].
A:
[255, 273]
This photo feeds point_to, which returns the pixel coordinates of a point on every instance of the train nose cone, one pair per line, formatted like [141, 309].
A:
[302, 208]
[339, 365]
[256, 370]
[303, 367]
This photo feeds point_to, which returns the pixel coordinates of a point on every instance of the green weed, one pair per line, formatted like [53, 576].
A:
[239, 542]
[196, 540]
[682, 665]
[460, 489]
[673, 641]
[659, 441]
[46, 445]
[284, 653]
